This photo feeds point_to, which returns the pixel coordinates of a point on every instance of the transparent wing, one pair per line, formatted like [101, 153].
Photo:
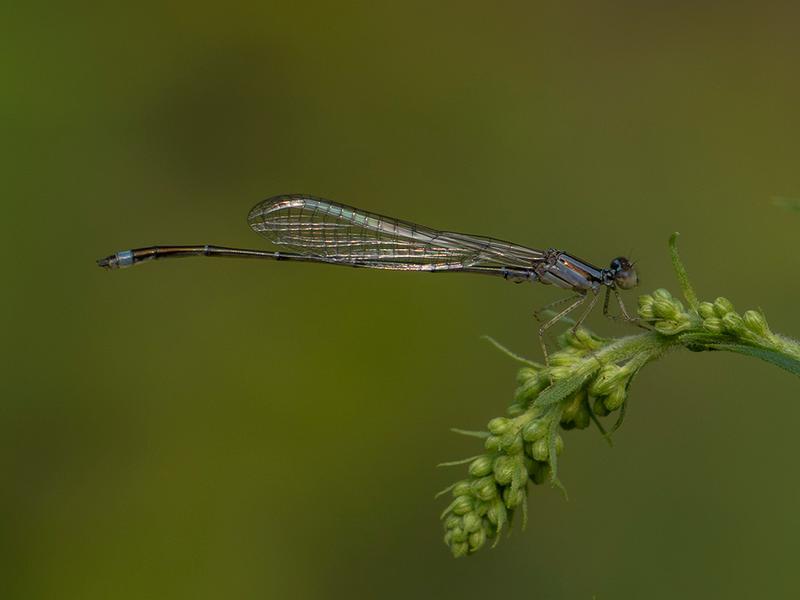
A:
[343, 234]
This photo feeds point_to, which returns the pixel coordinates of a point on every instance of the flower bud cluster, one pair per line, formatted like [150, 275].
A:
[669, 317]
[518, 446]
[604, 393]
[574, 347]
[517, 452]
[609, 388]
[720, 317]
[666, 313]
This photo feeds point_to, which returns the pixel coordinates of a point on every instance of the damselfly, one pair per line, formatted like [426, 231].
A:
[321, 231]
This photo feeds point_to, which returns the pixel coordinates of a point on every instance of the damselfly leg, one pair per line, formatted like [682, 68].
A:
[623, 316]
[578, 300]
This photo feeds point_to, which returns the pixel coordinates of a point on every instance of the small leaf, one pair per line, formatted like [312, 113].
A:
[680, 271]
[560, 390]
[477, 434]
[509, 353]
[445, 490]
[776, 358]
[455, 463]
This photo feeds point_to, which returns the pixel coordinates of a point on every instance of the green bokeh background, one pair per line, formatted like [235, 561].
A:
[224, 429]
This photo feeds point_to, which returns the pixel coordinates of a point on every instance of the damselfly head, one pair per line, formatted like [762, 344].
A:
[624, 273]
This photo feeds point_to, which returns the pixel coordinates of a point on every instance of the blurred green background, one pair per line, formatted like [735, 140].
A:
[224, 429]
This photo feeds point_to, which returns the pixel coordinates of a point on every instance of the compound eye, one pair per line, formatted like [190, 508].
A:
[616, 265]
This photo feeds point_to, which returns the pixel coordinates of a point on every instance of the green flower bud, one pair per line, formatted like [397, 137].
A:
[540, 450]
[646, 312]
[733, 322]
[471, 522]
[722, 306]
[569, 412]
[666, 309]
[534, 431]
[452, 521]
[480, 507]
[499, 425]
[497, 512]
[573, 406]
[582, 418]
[511, 443]
[526, 392]
[564, 359]
[462, 505]
[484, 488]
[458, 535]
[515, 410]
[607, 379]
[491, 530]
[645, 300]
[564, 341]
[529, 451]
[713, 325]
[559, 372]
[559, 444]
[599, 408]
[504, 467]
[756, 322]
[522, 471]
[671, 327]
[662, 294]
[706, 310]
[462, 488]
[526, 374]
[534, 412]
[492, 443]
[586, 340]
[581, 339]
[477, 539]
[615, 399]
[513, 497]
[460, 549]
[480, 466]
